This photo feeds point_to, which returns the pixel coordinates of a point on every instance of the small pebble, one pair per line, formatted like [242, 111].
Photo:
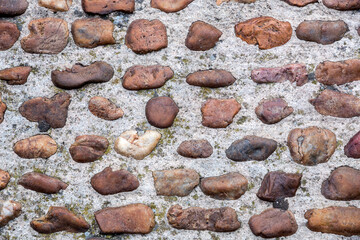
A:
[9, 210]
[9, 34]
[11, 8]
[211, 78]
[170, 6]
[88, 148]
[107, 6]
[105, 109]
[161, 112]
[195, 149]
[56, 5]
[342, 5]
[2, 110]
[271, 111]
[41, 183]
[16, 75]
[338, 73]
[39, 146]
[300, 3]
[202, 36]
[4, 179]
[352, 148]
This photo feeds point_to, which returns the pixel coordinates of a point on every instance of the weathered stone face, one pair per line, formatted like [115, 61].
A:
[4, 179]
[10, 8]
[9, 210]
[177, 182]
[170, 6]
[105, 109]
[195, 149]
[312, 145]
[202, 36]
[273, 223]
[300, 3]
[88, 148]
[272, 111]
[42, 183]
[9, 34]
[59, 219]
[352, 148]
[211, 78]
[196, 218]
[133, 218]
[108, 6]
[39, 146]
[56, 5]
[161, 112]
[267, 32]
[2, 110]
[16, 75]
[342, 5]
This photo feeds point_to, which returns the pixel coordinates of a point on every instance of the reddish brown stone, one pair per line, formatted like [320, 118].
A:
[196, 218]
[39, 146]
[133, 218]
[170, 6]
[358, 30]
[336, 104]
[92, 32]
[2, 110]
[211, 78]
[342, 5]
[202, 36]
[218, 2]
[4, 179]
[141, 77]
[300, 3]
[105, 109]
[109, 182]
[195, 149]
[9, 34]
[10, 8]
[47, 36]
[219, 113]
[161, 112]
[144, 36]
[267, 32]
[352, 148]
[59, 219]
[273, 223]
[56, 5]
[42, 183]
[108, 6]
[271, 111]
[330, 73]
[88, 148]
[16, 75]
[9, 210]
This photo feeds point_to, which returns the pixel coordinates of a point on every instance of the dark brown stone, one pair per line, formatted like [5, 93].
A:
[42, 183]
[79, 75]
[47, 36]
[170, 6]
[59, 219]
[342, 5]
[312, 145]
[267, 32]
[105, 109]
[202, 36]
[56, 5]
[273, 223]
[2, 110]
[251, 148]
[133, 218]
[92, 32]
[211, 78]
[279, 184]
[10, 8]
[196, 218]
[219, 113]
[109, 182]
[229, 186]
[39, 146]
[9, 210]
[161, 112]
[53, 110]
[352, 148]
[141, 77]
[323, 32]
[195, 149]
[336, 104]
[300, 3]
[9, 34]
[144, 36]
[4, 179]
[16, 75]
[88, 148]
[330, 73]
[108, 6]
[336, 220]
[271, 111]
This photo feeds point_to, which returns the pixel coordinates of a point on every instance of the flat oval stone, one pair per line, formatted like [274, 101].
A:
[107, 6]
[251, 148]
[202, 36]
[4, 179]
[109, 182]
[312, 145]
[47, 36]
[9, 210]
[195, 149]
[331, 73]
[16, 75]
[9, 34]
[161, 112]
[92, 32]
[39, 146]
[2, 110]
[42, 183]
[79, 75]
[219, 113]
[177, 182]
[56, 5]
[105, 109]
[170, 6]
[273, 223]
[144, 36]
[352, 148]
[132, 218]
[218, 2]
[229, 186]
[300, 3]
[141, 77]
[88, 148]
[278, 184]
[211, 78]
[10, 8]
[271, 111]
[342, 5]
[267, 32]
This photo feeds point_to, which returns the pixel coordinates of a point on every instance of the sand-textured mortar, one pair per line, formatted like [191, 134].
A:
[231, 54]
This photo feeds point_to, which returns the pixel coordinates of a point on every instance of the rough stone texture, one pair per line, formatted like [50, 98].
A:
[39, 146]
[202, 36]
[211, 78]
[323, 32]
[2, 110]
[342, 5]
[336, 104]
[92, 32]
[41, 183]
[271, 111]
[330, 73]
[108, 6]
[229, 186]
[59, 219]
[56, 5]
[336, 220]
[9, 210]
[133, 218]
[292, 72]
[9, 34]
[273, 223]
[4, 179]
[161, 112]
[177, 182]
[218, 2]
[170, 6]
[47, 36]
[141, 77]
[251, 148]
[88, 148]
[109, 182]
[105, 109]
[278, 184]
[16, 75]
[195, 149]
[196, 218]
[10, 8]
[144, 36]
[267, 32]
[352, 148]
[312, 145]
[300, 3]
[79, 75]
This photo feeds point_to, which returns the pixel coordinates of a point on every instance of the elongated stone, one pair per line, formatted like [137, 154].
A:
[219, 2]
[16, 75]
[108, 6]
[9, 34]
[195, 149]
[11, 8]
[9, 210]
[271, 111]
[39, 146]
[105, 109]
[300, 3]
[202, 36]
[352, 148]
[331, 73]
[4, 179]
[342, 5]
[88, 148]
[211, 78]
[170, 6]
[41, 183]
